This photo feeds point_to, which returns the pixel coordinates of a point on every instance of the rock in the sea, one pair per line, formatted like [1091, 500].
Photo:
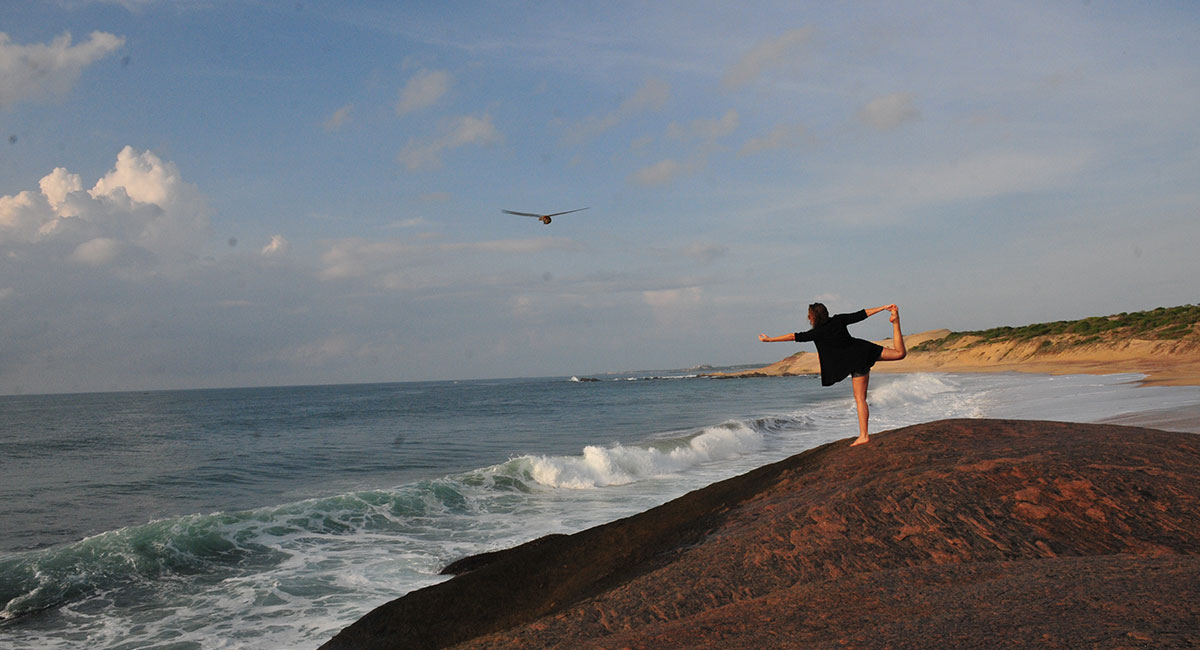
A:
[951, 534]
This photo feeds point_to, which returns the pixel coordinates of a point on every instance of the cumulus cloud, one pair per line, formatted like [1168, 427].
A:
[652, 96]
[423, 90]
[339, 118]
[140, 210]
[106, 251]
[45, 71]
[766, 55]
[889, 111]
[462, 131]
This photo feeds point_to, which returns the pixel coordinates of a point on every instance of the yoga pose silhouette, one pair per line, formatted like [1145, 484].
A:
[841, 354]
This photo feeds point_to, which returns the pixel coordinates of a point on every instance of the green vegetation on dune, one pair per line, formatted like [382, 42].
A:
[1164, 323]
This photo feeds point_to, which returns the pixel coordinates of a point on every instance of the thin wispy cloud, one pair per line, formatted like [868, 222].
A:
[357, 258]
[888, 112]
[781, 136]
[339, 118]
[423, 90]
[662, 172]
[653, 95]
[890, 195]
[767, 55]
[419, 155]
[705, 129]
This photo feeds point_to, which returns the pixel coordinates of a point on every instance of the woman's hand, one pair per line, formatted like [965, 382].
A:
[764, 338]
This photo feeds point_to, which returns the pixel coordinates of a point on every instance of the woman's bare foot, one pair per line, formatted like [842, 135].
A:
[895, 314]
[861, 440]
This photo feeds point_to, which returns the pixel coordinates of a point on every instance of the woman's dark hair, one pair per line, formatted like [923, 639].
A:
[818, 313]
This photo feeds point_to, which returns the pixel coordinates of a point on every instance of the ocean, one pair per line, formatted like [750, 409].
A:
[274, 517]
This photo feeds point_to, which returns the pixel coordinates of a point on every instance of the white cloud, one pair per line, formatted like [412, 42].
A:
[423, 90]
[102, 251]
[139, 209]
[766, 55]
[43, 71]
[22, 216]
[143, 177]
[339, 118]
[889, 111]
[277, 247]
[462, 131]
[652, 96]
[58, 185]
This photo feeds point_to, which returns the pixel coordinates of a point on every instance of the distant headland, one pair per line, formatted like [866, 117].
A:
[1163, 344]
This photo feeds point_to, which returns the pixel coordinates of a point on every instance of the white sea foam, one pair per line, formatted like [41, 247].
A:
[910, 389]
[620, 465]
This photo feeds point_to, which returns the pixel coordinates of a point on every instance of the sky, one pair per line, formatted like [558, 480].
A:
[221, 193]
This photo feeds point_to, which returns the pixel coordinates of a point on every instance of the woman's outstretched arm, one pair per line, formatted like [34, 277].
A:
[876, 310]
[777, 339]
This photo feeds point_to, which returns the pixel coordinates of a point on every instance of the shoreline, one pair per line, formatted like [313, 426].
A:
[1184, 419]
[1163, 363]
[947, 531]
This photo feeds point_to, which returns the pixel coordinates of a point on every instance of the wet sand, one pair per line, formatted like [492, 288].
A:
[1186, 419]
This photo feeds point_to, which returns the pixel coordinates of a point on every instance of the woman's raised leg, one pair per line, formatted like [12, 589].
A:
[897, 351]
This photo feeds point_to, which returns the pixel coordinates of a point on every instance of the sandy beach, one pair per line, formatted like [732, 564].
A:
[1164, 363]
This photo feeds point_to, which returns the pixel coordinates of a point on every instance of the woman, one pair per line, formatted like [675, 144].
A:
[841, 354]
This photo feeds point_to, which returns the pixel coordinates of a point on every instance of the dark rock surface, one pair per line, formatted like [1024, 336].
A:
[951, 534]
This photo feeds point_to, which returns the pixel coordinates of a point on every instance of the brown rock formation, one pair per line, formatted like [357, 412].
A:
[959, 533]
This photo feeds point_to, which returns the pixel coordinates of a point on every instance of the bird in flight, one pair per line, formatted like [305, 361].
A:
[544, 218]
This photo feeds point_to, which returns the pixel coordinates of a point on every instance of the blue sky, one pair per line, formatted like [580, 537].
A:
[237, 192]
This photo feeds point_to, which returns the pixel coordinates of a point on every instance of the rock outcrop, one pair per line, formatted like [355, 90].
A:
[958, 533]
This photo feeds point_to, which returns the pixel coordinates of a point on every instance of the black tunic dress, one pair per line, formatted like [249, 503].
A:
[839, 353]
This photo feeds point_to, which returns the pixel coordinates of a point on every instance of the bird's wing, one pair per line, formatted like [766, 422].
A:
[567, 212]
[522, 214]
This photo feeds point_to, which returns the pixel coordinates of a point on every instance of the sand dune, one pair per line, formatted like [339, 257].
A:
[1164, 362]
